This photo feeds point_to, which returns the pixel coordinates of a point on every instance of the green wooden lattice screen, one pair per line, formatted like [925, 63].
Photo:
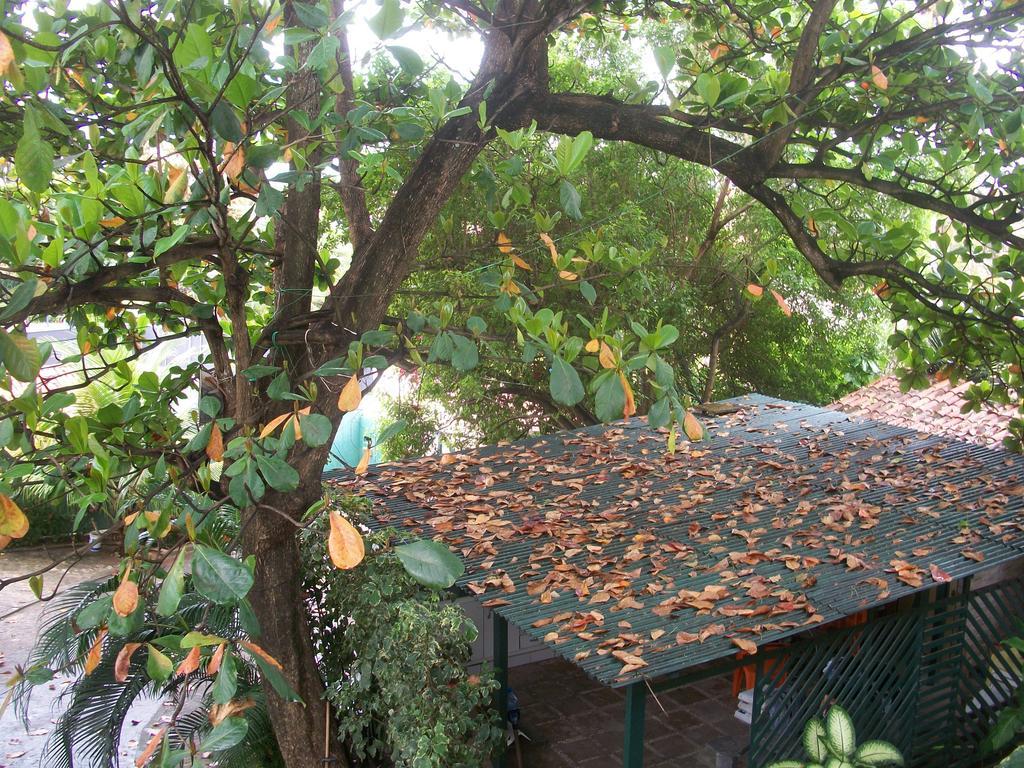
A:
[930, 679]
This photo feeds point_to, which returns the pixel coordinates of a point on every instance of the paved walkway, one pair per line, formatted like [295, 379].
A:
[577, 723]
[21, 747]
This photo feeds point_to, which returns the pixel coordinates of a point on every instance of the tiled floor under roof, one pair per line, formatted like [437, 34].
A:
[575, 722]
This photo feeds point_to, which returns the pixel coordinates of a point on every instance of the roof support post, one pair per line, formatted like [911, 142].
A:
[500, 647]
[636, 704]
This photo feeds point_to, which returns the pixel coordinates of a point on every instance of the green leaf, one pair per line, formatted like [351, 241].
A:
[310, 15]
[279, 387]
[587, 292]
[580, 147]
[877, 753]
[665, 58]
[225, 735]
[465, 357]
[225, 122]
[210, 406]
[219, 577]
[430, 563]
[6, 432]
[391, 430]
[278, 473]
[610, 399]
[192, 639]
[566, 387]
[570, 200]
[708, 88]
[815, 740]
[21, 355]
[316, 429]
[408, 59]
[226, 682]
[158, 665]
[277, 681]
[173, 587]
[840, 734]
[95, 614]
[33, 157]
[388, 19]
[22, 295]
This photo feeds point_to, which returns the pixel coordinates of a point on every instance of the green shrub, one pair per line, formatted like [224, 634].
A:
[397, 672]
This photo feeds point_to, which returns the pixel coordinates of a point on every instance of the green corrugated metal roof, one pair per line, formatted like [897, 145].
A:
[605, 547]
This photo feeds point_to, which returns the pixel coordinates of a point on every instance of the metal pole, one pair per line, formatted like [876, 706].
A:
[633, 749]
[500, 640]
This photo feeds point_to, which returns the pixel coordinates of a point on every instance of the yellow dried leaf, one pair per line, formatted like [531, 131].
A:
[4, 541]
[253, 648]
[273, 424]
[178, 185]
[214, 666]
[92, 660]
[234, 160]
[593, 345]
[13, 522]
[878, 78]
[504, 244]
[123, 661]
[190, 663]
[6, 54]
[215, 447]
[693, 428]
[364, 462]
[546, 239]
[126, 597]
[606, 357]
[510, 287]
[151, 746]
[783, 304]
[344, 543]
[112, 223]
[295, 425]
[567, 275]
[754, 289]
[521, 263]
[350, 396]
[630, 407]
[272, 23]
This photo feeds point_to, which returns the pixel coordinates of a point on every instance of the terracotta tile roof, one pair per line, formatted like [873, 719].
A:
[935, 410]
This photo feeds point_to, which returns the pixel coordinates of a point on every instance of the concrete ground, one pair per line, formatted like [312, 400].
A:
[574, 722]
[20, 618]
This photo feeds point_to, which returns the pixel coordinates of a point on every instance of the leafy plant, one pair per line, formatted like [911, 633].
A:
[394, 655]
[832, 742]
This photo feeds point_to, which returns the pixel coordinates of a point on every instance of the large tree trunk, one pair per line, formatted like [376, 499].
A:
[279, 602]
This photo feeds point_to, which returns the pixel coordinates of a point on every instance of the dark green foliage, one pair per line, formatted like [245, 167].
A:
[394, 655]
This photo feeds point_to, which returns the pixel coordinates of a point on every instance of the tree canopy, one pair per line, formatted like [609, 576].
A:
[171, 171]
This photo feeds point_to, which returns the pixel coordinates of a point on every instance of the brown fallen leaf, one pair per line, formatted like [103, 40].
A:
[744, 644]
[939, 575]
